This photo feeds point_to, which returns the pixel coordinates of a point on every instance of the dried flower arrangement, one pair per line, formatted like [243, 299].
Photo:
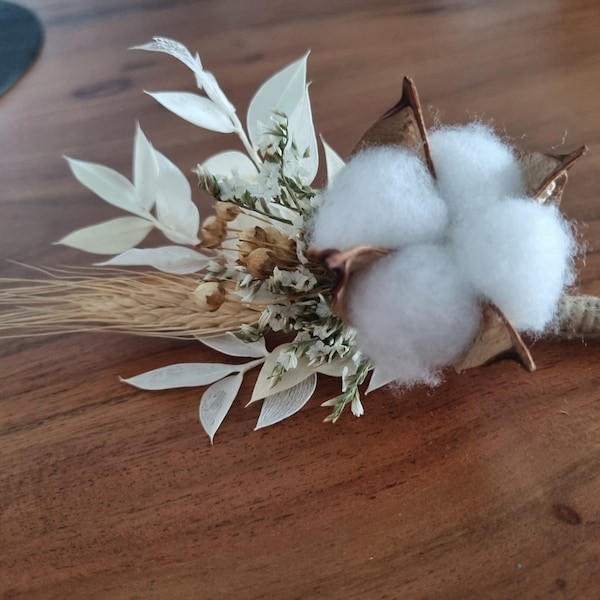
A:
[423, 252]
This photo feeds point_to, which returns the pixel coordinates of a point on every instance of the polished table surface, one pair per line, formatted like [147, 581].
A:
[487, 487]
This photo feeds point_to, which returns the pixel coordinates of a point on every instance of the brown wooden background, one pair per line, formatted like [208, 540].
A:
[486, 488]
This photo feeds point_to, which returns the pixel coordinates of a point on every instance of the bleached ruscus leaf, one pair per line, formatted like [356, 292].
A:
[174, 206]
[336, 367]
[333, 161]
[282, 92]
[232, 346]
[216, 402]
[145, 170]
[301, 132]
[267, 385]
[106, 183]
[229, 162]
[280, 406]
[195, 109]
[378, 380]
[182, 375]
[109, 237]
[169, 259]
[175, 49]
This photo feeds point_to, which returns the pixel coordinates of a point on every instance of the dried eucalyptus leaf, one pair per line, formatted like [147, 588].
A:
[497, 339]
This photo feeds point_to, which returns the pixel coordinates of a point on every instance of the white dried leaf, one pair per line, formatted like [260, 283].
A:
[145, 170]
[110, 237]
[282, 92]
[231, 161]
[302, 132]
[331, 401]
[107, 183]
[169, 259]
[207, 81]
[174, 206]
[182, 375]
[333, 160]
[290, 378]
[335, 368]
[195, 109]
[232, 346]
[282, 405]
[175, 49]
[378, 380]
[216, 402]
[204, 79]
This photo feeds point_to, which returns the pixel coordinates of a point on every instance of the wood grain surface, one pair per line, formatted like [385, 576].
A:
[487, 487]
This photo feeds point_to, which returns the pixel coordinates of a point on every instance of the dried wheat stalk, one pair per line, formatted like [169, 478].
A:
[151, 303]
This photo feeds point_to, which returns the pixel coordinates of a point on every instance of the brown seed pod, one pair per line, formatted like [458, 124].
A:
[282, 249]
[260, 263]
[226, 211]
[209, 295]
[214, 231]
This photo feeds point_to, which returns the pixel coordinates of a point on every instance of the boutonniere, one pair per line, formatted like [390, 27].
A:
[425, 250]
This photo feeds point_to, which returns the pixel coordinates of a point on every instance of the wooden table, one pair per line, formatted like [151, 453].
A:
[487, 487]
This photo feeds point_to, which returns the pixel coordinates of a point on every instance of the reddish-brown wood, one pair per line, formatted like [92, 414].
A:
[486, 488]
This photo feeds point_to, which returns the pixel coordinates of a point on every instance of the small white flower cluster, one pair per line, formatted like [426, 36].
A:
[277, 194]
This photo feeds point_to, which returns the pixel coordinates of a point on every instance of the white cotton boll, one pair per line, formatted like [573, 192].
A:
[474, 166]
[414, 314]
[518, 254]
[384, 196]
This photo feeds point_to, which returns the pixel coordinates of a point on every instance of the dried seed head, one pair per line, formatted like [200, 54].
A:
[260, 263]
[226, 211]
[214, 231]
[282, 249]
[209, 296]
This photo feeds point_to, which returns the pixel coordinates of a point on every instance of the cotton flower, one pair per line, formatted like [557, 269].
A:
[471, 236]
[518, 254]
[474, 167]
[383, 196]
[414, 313]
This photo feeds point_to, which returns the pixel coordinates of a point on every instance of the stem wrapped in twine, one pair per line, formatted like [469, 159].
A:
[579, 316]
